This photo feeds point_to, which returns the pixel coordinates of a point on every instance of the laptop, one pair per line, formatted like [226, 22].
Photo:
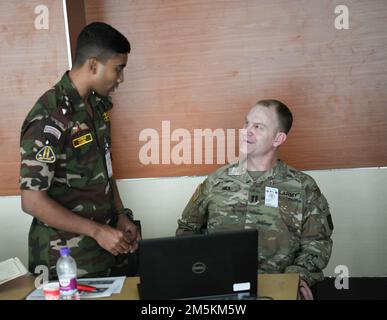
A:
[221, 265]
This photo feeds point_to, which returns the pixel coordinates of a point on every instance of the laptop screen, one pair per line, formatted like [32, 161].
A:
[197, 266]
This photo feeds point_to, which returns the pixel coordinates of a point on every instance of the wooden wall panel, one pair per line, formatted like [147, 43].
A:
[185, 67]
[31, 61]
[76, 21]
[202, 64]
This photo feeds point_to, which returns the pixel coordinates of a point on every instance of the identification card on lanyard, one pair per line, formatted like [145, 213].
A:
[271, 197]
[109, 164]
[108, 159]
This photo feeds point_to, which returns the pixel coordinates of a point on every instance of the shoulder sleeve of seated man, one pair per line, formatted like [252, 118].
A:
[317, 212]
[193, 219]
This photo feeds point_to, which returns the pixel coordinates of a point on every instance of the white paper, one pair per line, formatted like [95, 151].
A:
[11, 269]
[105, 288]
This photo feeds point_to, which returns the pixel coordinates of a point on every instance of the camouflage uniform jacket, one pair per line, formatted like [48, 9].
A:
[295, 236]
[63, 152]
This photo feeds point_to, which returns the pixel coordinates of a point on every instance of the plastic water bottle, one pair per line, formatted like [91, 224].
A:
[66, 269]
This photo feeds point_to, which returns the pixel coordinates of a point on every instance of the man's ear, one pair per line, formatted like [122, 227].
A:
[279, 139]
[92, 65]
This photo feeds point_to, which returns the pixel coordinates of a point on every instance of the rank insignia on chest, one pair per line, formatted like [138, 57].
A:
[46, 154]
[105, 117]
[77, 142]
[78, 127]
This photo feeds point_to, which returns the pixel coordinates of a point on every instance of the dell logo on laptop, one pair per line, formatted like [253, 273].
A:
[198, 267]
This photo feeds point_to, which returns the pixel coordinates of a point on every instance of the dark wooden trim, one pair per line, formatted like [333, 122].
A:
[76, 21]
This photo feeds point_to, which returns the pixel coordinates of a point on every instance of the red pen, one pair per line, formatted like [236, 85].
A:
[84, 287]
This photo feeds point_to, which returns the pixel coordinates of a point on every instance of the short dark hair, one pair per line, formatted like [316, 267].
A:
[284, 115]
[99, 40]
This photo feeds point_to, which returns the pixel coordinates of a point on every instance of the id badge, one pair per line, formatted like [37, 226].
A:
[271, 197]
[109, 163]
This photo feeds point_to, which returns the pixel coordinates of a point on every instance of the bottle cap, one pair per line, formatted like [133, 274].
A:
[65, 251]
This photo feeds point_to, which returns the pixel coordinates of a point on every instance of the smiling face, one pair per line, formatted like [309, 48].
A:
[261, 135]
[109, 74]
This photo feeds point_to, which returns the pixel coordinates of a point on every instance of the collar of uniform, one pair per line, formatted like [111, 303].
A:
[278, 172]
[239, 171]
[71, 92]
[106, 102]
[237, 168]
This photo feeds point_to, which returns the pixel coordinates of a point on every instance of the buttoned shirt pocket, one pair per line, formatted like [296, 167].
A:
[84, 163]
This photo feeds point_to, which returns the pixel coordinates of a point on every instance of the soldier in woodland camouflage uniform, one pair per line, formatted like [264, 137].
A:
[66, 176]
[262, 192]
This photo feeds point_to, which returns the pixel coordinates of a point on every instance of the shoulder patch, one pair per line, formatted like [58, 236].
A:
[46, 154]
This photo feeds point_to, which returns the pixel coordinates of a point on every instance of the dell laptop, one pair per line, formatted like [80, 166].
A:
[220, 265]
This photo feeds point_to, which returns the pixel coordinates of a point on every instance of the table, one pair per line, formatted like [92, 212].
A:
[282, 286]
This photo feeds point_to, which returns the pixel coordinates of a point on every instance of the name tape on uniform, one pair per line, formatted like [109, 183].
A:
[77, 142]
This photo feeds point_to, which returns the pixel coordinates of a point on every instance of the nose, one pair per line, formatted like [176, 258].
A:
[121, 77]
[249, 130]
[245, 133]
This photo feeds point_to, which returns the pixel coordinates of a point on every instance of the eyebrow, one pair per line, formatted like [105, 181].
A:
[254, 123]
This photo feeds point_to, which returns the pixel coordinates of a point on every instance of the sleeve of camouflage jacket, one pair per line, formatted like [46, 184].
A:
[194, 217]
[316, 243]
[34, 174]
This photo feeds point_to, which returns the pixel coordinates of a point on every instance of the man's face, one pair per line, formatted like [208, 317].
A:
[260, 132]
[110, 74]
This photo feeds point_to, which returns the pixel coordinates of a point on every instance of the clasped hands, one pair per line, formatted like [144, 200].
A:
[120, 240]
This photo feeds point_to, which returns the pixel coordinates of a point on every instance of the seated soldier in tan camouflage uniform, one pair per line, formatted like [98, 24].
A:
[262, 192]
[66, 176]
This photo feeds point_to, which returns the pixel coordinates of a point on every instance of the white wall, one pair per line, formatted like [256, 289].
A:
[357, 198]
[14, 226]
[358, 203]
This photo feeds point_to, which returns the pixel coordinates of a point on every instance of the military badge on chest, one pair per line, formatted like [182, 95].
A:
[80, 134]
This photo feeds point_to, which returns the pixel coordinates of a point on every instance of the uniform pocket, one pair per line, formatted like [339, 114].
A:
[84, 147]
[84, 163]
